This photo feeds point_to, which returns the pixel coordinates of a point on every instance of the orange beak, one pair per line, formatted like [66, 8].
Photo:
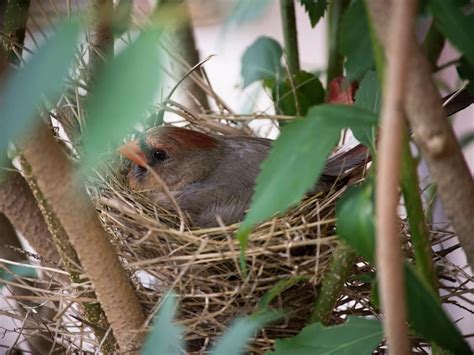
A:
[132, 152]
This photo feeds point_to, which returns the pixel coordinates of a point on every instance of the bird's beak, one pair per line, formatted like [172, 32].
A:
[132, 152]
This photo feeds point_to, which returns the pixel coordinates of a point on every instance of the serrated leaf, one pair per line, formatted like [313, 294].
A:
[262, 60]
[354, 41]
[355, 221]
[456, 26]
[369, 97]
[41, 78]
[297, 159]
[236, 338]
[295, 97]
[315, 9]
[355, 336]
[124, 91]
[165, 338]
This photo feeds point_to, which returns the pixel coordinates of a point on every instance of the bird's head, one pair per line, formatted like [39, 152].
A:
[179, 156]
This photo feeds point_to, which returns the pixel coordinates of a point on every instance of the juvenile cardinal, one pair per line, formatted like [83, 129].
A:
[211, 176]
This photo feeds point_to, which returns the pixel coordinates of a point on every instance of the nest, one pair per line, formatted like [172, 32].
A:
[286, 256]
[202, 265]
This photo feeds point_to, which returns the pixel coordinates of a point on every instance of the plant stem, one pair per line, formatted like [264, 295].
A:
[14, 28]
[290, 35]
[335, 65]
[332, 284]
[420, 234]
[183, 38]
[389, 256]
[100, 34]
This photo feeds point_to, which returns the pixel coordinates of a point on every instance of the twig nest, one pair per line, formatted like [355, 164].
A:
[202, 265]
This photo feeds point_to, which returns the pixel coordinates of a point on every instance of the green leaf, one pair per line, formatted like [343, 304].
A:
[125, 90]
[456, 26]
[355, 221]
[355, 43]
[16, 270]
[428, 318]
[466, 72]
[295, 97]
[297, 159]
[293, 165]
[165, 338]
[41, 78]
[369, 97]
[238, 335]
[276, 290]
[315, 9]
[262, 60]
[355, 336]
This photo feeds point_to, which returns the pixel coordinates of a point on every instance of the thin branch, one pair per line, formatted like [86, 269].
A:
[183, 38]
[434, 136]
[18, 203]
[101, 40]
[389, 255]
[335, 60]
[14, 26]
[290, 35]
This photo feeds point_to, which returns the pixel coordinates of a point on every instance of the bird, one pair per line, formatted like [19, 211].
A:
[211, 177]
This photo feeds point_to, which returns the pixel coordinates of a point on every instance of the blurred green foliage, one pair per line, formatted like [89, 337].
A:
[166, 337]
[40, 80]
[355, 336]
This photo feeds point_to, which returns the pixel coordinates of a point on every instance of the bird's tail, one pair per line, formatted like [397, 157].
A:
[339, 166]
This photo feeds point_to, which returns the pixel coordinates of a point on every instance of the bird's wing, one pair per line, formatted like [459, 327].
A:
[206, 203]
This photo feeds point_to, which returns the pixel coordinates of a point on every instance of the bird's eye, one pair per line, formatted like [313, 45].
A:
[159, 155]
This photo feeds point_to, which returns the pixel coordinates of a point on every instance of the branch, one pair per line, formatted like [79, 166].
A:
[101, 37]
[14, 28]
[183, 39]
[20, 207]
[290, 35]
[335, 59]
[332, 284]
[43, 341]
[434, 136]
[389, 254]
[69, 201]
